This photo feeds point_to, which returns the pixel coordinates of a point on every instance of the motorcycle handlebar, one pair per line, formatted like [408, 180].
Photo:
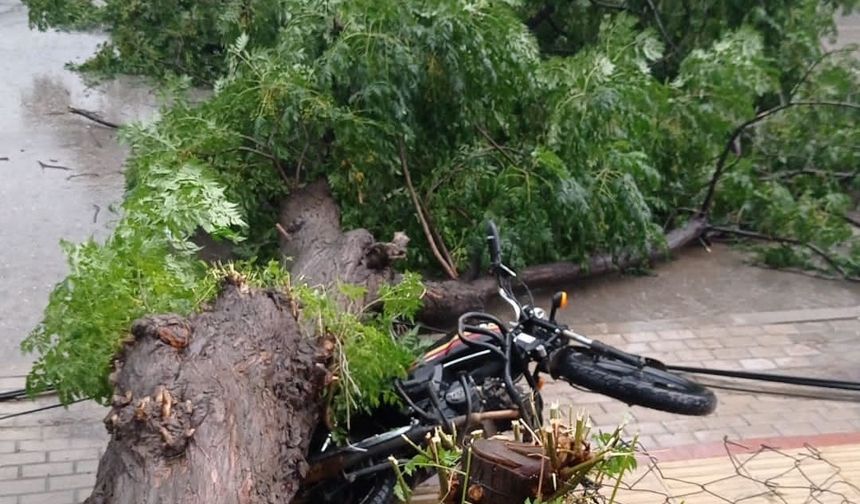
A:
[494, 244]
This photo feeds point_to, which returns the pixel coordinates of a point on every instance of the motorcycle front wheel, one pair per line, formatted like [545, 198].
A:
[648, 386]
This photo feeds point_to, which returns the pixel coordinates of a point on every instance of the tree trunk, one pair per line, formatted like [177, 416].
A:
[220, 407]
[445, 301]
[217, 408]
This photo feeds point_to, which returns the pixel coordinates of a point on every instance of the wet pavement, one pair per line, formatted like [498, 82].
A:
[40, 206]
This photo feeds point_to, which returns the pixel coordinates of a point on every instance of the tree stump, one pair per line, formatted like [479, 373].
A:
[215, 408]
[504, 472]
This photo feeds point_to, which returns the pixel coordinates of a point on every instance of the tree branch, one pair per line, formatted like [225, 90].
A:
[449, 268]
[92, 116]
[659, 22]
[815, 64]
[787, 241]
[496, 146]
[721, 162]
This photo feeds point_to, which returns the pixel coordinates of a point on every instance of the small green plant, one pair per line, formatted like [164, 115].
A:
[368, 354]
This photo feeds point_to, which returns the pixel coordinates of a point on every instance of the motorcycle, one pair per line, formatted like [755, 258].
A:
[486, 374]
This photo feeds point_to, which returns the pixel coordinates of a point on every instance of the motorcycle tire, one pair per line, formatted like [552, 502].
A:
[649, 386]
[381, 491]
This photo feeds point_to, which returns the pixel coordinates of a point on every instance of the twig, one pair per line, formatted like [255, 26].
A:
[661, 27]
[609, 5]
[4, 158]
[496, 146]
[786, 241]
[92, 116]
[76, 175]
[721, 162]
[301, 160]
[96, 213]
[811, 171]
[850, 220]
[449, 268]
[53, 166]
[812, 67]
[282, 231]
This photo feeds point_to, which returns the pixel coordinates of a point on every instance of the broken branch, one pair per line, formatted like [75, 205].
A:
[449, 268]
[753, 235]
[727, 149]
[53, 166]
[93, 116]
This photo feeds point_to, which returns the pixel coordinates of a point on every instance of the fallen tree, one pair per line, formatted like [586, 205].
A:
[219, 407]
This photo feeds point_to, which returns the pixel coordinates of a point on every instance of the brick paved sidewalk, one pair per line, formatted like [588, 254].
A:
[812, 343]
[51, 456]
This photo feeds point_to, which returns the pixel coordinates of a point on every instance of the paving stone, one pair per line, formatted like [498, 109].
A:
[773, 340]
[7, 446]
[732, 353]
[674, 439]
[710, 343]
[713, 332]
[693, 355]
[639, 348]
[668, 345]
[50, 468]
[86, 466]
[23, 486]
[780, 329]
[72, 455]
[9, 472]
[746, 331]
[797, 429]
[9, 499]
[676, 335]
[64, 497]
[19, 433]
[757, 364]
[641, 337]
[709, 436]
[21, 458]
[646, 428]
[72, 481]
[800, 350]
[793, 362]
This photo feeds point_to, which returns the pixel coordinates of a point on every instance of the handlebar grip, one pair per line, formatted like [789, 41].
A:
[494, 243]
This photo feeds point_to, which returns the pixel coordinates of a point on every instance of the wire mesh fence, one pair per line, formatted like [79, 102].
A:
[745, 474]
[741, 474]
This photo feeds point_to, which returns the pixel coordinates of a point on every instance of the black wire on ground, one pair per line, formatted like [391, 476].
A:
[43, 408]
[12, 395]
[793, 380]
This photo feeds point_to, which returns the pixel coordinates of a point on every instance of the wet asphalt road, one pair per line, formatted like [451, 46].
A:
[40, 206]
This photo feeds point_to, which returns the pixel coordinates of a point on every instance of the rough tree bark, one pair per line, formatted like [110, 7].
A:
[219, 407]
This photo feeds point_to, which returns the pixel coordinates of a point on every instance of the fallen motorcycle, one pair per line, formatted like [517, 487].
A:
[486, 374]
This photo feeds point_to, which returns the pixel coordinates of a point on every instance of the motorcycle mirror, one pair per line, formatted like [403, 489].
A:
[559, 301]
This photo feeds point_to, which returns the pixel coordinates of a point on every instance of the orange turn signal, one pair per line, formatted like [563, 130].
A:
[563, 303]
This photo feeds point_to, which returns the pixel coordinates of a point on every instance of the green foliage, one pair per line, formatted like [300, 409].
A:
[368, 354]
[589, 131]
